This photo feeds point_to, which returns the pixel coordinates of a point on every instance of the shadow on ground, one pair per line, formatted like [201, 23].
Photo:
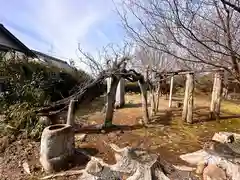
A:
[200, 114]
[163, 117]
[132, 105]
[89, 108]
[93, 129]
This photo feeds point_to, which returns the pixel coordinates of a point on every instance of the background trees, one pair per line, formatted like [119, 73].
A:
[199, 34]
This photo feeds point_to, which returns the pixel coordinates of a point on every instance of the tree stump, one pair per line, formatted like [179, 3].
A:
[57, 147]
[136, 164]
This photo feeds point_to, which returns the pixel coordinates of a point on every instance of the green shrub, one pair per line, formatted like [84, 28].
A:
[22, 118]
[30, 85]
[132, 87]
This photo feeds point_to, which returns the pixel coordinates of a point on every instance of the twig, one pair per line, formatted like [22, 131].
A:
[66, 173]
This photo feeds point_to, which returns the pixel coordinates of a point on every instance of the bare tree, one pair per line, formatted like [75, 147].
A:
[114, 67]
[232, 5]
[200, 32]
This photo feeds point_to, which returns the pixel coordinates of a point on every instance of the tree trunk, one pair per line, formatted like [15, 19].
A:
[153, 102]
[143, 88]
[111, 102]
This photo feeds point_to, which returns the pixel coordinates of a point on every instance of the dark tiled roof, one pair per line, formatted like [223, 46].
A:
[50, 57]
[24, 48]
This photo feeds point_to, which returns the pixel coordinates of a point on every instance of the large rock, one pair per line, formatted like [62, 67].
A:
[212, 172]
[57, 147]
[223, 152]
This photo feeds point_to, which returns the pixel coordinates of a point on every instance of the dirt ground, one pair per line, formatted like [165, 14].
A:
[168, 136]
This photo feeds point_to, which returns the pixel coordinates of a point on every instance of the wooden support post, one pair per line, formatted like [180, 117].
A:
[158, 96]
[212, 106]
[70, 115]
[190, 98]
[225, 84]
[216, 95]
[187, 114]
[171, 91]
[109, 81]
[120, 94]
[185, 102]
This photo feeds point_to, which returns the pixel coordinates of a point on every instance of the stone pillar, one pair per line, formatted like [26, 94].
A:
[57, 147]
[120, 94]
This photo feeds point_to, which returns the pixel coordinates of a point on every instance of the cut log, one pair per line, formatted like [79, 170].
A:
[224, 137]
[231, 139]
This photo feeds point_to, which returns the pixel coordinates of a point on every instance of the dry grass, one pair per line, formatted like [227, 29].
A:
[169, 136]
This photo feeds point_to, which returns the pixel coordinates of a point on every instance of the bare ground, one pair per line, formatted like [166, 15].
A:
[167, 136]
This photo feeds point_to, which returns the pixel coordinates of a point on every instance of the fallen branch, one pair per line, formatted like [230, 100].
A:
[66, 173]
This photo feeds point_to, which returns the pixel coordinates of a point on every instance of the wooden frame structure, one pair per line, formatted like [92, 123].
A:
[188, 104]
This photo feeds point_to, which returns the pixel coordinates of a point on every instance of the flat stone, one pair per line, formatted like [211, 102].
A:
[80, 137]
[44, 120]
[4, 142]
[93, 167]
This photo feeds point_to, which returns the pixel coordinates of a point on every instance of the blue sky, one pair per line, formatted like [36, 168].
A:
[57, 26]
